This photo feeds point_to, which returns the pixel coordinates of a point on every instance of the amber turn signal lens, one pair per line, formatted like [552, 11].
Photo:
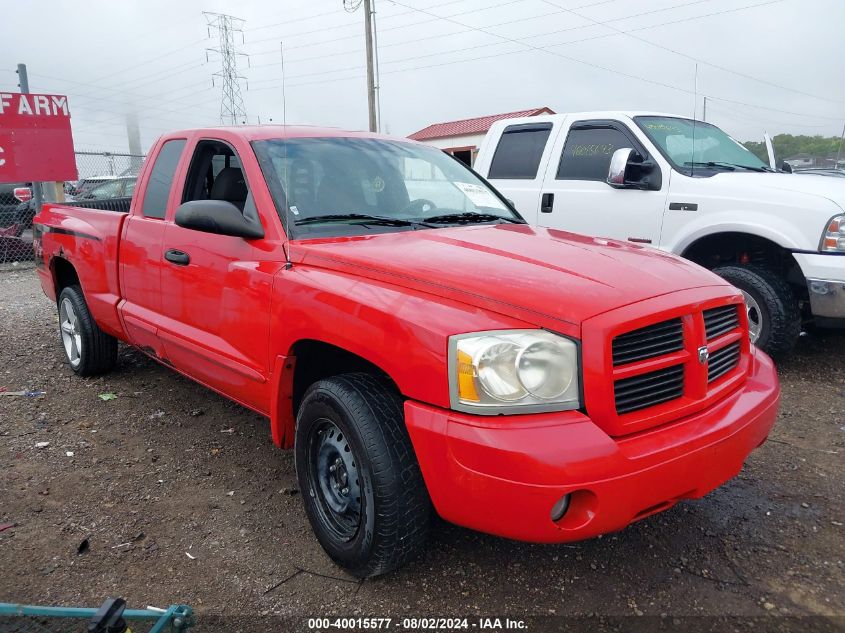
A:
[466, 378]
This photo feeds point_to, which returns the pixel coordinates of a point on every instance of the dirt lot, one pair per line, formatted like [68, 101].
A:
[168, 468]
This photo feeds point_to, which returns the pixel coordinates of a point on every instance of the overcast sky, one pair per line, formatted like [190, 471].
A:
[773, 65]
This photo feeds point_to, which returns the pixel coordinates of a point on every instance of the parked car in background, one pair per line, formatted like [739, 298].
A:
[412, 339]
[83, 185]
[17, 207]
[122, 187]
[836, 173]
[685, 187]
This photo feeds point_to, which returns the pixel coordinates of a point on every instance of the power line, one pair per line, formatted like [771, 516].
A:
[690, 57]
[533, 48]
[619, 72]
[444, 35]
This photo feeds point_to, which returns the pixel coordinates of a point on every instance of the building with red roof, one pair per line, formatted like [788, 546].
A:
[462, 138]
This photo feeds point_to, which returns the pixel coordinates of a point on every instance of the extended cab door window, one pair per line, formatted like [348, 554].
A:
[161, 179]
[216, 174]
[519, 152]
[576, 196]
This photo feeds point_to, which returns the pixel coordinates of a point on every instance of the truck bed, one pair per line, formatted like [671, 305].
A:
[88, 239]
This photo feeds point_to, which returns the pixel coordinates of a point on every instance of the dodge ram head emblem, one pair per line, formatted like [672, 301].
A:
[703, 354]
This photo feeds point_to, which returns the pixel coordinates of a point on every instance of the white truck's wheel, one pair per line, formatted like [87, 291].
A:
[774, 320]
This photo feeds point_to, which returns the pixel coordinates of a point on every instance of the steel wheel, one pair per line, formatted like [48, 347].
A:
[71, 335]
[333, 474]
[755, 316]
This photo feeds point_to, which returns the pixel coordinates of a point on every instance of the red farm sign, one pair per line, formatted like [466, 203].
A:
[36, 144]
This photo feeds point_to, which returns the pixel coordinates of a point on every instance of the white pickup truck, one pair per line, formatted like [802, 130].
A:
[687, 187]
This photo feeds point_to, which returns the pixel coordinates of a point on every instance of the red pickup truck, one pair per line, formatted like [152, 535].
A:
[416, 343]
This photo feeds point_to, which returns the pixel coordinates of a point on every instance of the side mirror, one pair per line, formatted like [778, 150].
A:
[219, 217]
[629, 170]
[786, 167]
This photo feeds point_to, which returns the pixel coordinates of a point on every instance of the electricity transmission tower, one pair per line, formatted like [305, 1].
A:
[232, 109]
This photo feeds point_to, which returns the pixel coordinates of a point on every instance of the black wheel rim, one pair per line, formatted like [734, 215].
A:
[334, 479]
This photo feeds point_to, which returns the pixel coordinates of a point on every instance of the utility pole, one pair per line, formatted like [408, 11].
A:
[232, 109]
[369, 39]
[371, 78]
[23, 84]
[704, 111]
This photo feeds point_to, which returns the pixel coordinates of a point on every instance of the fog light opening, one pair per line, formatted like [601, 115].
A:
[560, 508]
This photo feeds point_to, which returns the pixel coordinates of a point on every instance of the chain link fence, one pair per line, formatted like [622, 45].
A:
[102, 176]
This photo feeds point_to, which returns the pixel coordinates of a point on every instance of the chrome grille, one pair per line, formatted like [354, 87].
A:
[722, 361]
[647, 390]
[648, 342]
[721, 320]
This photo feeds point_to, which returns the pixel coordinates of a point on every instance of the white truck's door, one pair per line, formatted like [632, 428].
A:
[515, 161]
[576, 197]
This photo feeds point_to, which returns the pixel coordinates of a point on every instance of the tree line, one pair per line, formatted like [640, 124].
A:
[787, 145]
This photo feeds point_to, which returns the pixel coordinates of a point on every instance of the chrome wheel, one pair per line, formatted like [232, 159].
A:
[71, 336]
[755, 316]
[334, 479]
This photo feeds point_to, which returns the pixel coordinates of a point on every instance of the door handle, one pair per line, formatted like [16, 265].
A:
[547, 203]
[179, 258]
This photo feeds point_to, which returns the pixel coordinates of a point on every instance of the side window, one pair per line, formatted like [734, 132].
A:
[587, 152]
[519, 151]
[215, 174]
[161, 179]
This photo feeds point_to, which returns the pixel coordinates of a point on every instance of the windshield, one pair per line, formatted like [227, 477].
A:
[695, 145]
[352, 186]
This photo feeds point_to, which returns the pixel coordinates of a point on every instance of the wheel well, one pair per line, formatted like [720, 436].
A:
[721, 249]
[316, 360]
[64, 274]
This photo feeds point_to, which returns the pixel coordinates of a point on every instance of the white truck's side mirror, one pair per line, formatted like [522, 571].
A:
[618, 166]
[630, 170]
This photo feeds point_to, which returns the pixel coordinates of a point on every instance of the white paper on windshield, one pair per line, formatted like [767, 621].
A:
[479, 196]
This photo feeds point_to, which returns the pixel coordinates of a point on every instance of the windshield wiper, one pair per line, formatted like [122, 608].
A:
[469, 216]
[724, 165]
[358, 218]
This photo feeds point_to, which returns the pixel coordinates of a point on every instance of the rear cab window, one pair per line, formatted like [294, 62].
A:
[520, 151]
[161, 178]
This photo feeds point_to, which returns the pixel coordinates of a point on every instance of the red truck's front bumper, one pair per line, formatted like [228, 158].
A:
[503, 475]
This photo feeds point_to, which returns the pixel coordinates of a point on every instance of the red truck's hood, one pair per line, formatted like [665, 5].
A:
[555, 274]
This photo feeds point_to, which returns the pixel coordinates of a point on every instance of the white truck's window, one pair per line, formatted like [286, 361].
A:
[161, 179]
[587, 152]
[519, 151]
[692, 144]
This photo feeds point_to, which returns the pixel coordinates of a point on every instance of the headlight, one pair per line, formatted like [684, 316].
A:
[833, 239]
[513, 371]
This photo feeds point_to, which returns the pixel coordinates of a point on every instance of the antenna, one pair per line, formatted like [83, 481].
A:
[285, 178]
[694, 114]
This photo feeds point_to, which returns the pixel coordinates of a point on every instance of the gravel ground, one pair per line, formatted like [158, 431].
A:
[168, 469]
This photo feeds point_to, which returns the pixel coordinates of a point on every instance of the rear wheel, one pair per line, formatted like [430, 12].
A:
[774, 320]
[361, 483]
[89, 350]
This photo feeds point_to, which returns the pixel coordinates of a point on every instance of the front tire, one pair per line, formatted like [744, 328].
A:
[774, 319]
[361, 484]
[89, 350]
